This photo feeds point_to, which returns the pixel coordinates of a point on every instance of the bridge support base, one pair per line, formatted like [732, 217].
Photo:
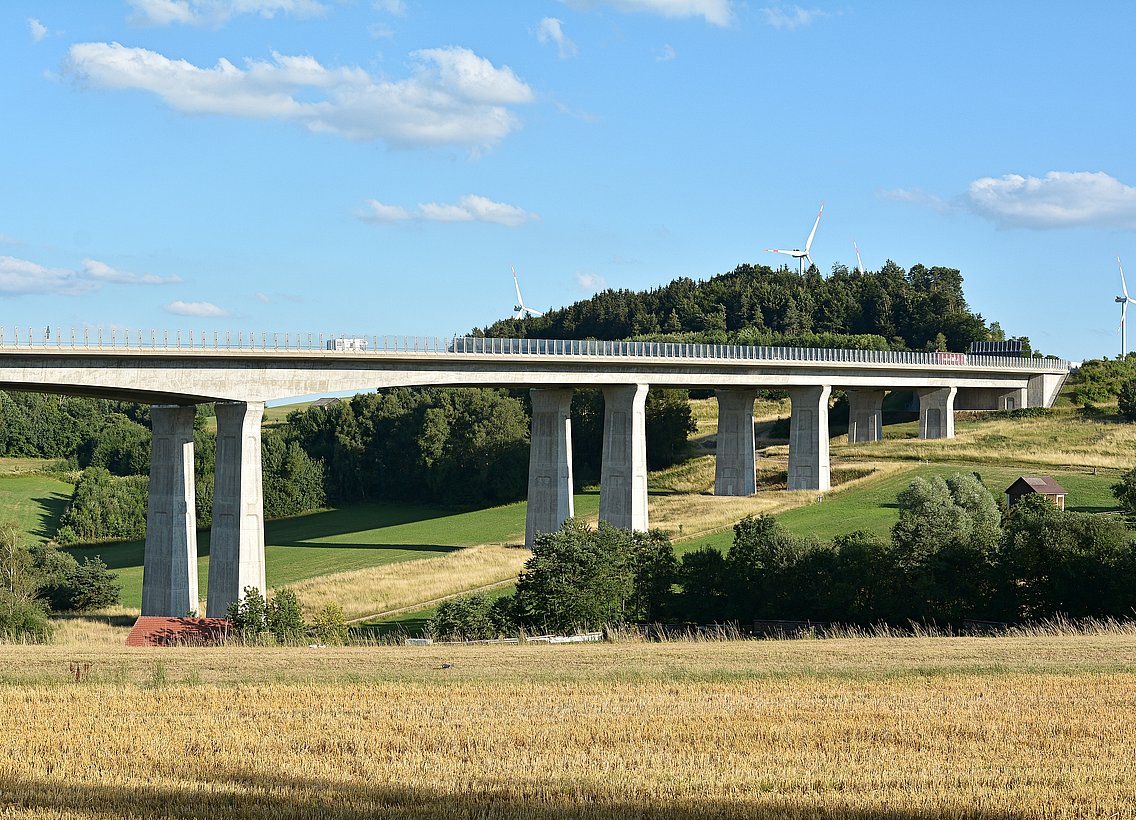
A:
[550, 463]
[937, 412]
[809, 466]
[623, 473]
[865, 416]
[734, 464]
[169, 574]
[236, 543]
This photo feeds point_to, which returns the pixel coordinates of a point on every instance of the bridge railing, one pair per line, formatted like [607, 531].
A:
[172, 341]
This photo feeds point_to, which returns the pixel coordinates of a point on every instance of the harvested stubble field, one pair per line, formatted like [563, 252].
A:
[885, 727]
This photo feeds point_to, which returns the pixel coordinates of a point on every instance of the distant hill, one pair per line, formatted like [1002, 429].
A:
[920, 309]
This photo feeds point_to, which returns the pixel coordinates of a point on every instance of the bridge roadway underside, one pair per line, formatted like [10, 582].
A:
[240, 383]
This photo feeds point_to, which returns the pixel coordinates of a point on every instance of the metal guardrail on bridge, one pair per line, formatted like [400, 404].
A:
[165, 341]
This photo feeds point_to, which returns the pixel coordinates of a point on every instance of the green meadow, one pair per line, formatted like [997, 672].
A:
[341, 540]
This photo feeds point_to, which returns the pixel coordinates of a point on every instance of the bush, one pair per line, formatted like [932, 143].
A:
[1126, 400]
[249, 615]
[472, 618]
[330, 626]
[69, 586]
[105, 508]
[285, 617]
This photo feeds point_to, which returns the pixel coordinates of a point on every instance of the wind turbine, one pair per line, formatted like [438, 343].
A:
[520, 306]
[1124, 302]
[859, 263]
[797, 253]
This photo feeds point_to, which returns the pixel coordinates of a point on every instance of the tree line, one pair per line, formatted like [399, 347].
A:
[918, 309]
[953, 555]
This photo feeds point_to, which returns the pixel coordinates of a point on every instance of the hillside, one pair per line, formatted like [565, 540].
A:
[917, 309]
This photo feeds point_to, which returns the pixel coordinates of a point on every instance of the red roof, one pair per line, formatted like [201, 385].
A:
[150, 630]
[1039, 484]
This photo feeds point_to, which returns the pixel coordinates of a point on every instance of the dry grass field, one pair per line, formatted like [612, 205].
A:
[906, 729]
[365, 592]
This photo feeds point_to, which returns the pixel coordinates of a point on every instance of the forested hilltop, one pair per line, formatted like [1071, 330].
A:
[918, 309]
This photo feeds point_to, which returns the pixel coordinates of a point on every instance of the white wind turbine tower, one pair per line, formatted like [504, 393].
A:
[1124, 301]
[520, 306]
[797, 253]
[859, 263]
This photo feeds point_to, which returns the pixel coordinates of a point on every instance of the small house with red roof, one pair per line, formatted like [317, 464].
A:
[1042, 484]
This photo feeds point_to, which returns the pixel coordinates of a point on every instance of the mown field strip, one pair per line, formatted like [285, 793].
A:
[895, 728]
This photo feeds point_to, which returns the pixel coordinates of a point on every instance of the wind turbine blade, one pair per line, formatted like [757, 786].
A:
[859, 263]
[812, 233]
[1123, 316]
[776, 250]
[1123, 284]
[517, 285]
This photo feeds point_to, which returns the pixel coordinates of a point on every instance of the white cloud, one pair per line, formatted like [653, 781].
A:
[216, 12]
[199, 309]
[395, 7]
[590, 281]
[666, 55]
[469, 208]
[37, 29]
[718, 12]
[19, 276]
[917, 197]
[101, 272]
[452, 97]
[790, 17]
[7, 240]
[1060, 199]
[550, 31]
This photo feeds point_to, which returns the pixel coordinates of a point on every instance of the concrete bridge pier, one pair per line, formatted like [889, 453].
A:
[937, 412]
[623, 473]
[734, 460]
[169, 573]
[809, 466]
[550, 463]
[865, 415]
[236, 543]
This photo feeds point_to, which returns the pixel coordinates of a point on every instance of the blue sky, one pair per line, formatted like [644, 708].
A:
[376, 166]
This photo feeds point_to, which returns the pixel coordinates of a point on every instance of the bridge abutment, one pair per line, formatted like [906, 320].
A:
[169, 574]
[550, 463]
[937, 412]
[623, 472]
[734, 460]
[865, 415]
[809, 465]
[236, 543]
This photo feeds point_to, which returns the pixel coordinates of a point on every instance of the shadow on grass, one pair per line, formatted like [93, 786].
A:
[256, 795]
[51, 509]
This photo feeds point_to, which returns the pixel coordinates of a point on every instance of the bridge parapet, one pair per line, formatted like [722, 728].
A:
[329, 345]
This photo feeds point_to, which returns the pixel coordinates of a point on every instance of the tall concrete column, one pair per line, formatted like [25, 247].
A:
[236, 542]
[550, 463]
[865, 415]
[623, 474]
[734, 466]
[937, 412]
[809, 466]
[169, 572]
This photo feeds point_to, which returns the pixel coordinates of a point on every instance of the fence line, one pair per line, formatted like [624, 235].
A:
[171, 341]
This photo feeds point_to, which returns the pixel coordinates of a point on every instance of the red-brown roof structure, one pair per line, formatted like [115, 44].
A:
[154, 631]
[1039, 484]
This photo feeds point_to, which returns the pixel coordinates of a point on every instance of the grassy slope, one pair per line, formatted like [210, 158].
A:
[347, 539]
[34, 501]
[1065, 446]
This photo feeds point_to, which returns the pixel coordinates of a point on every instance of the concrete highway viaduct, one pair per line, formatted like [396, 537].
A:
[239, 374]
